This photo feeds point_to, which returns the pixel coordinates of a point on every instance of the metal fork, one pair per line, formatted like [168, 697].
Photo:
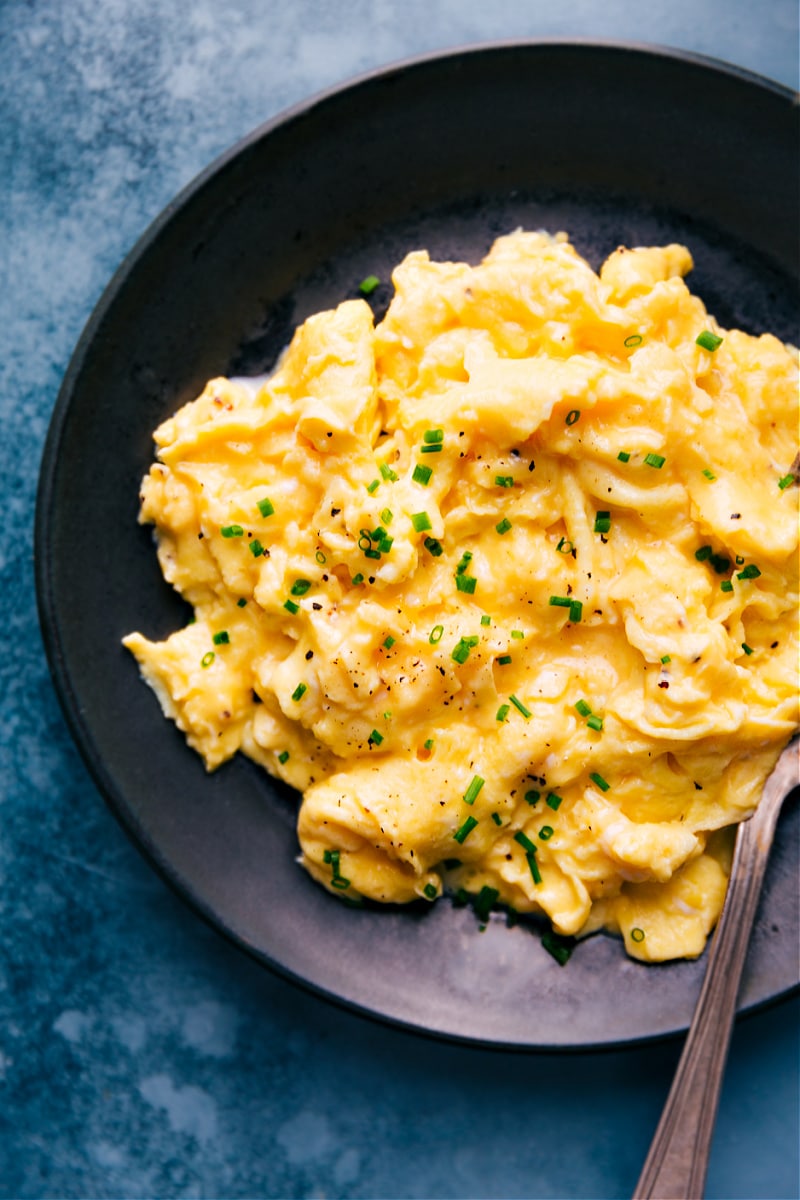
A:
[676, 1165]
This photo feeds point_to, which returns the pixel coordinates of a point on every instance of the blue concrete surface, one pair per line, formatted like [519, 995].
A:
[140, 1054]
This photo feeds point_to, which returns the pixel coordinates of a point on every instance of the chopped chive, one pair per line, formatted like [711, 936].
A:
[485, 902]
[460, 652]
[240, 603]
[655, 460]
[422, 474]
[498, 820]
[472, 640]
[504, 660]
[787, 481]
[465, 830]
[502, 712]
[436, 634]
[474, 788]
[558, 947]
[666, 658]
[283, 757]
[340, 883]
[624, 456]
[572, 416]
[359, 578]
[553, 800]
[387, 472]
[709, 474]
[428, 745]
[703, 553]
[368, 285]
[534, 868]
[546, 832]
[602, 522]
[300, 691]
[720, 563]
[595, 722]
[421, 521]
[373, 487]
[739, 560]
[526, 712]
[575, 611]
[431, 891]
[386, 516]
[388, 642]
[518, 634]
[300, 587]
[464, 561]
[207, 659]
[256, 549]
[637, 934]
[751, 571]
[430, 449]
[385, 544]
[466, 583]
[486, 619]
[532, 796]
[708, 340]
[503, 526]
[565, 546]
[523, 840]
[376, 736]
[432, 436]
[726, 585]
[601, 783]
[222, 638]
[506, 481]
[320, 557]
[747, 649]
[291, 607]
[583, 708]
[265, 507]
[635, 339]
[433, 546]
[232, 531]
[559, 601]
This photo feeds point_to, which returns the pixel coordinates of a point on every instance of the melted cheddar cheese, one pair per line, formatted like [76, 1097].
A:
[505, 586]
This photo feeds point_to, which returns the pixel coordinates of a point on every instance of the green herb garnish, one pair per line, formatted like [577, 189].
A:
[465, 830]
[474, 788]
[708, 340]
[368, 285]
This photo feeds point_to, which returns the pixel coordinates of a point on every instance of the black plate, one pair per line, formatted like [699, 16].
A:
[615, 144]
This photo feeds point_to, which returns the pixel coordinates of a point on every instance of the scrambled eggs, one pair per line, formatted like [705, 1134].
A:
[506, 586]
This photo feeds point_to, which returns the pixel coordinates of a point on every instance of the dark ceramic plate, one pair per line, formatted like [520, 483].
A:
[615, 144]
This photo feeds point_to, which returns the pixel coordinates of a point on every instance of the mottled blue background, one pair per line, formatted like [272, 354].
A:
[141, 1055]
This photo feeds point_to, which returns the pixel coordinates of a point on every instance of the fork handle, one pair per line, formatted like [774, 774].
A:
[675, 1168]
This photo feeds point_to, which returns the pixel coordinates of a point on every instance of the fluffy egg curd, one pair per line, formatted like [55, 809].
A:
[505, 585]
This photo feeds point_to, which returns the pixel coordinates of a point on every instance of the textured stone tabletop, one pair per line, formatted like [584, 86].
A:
[140, 1054]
